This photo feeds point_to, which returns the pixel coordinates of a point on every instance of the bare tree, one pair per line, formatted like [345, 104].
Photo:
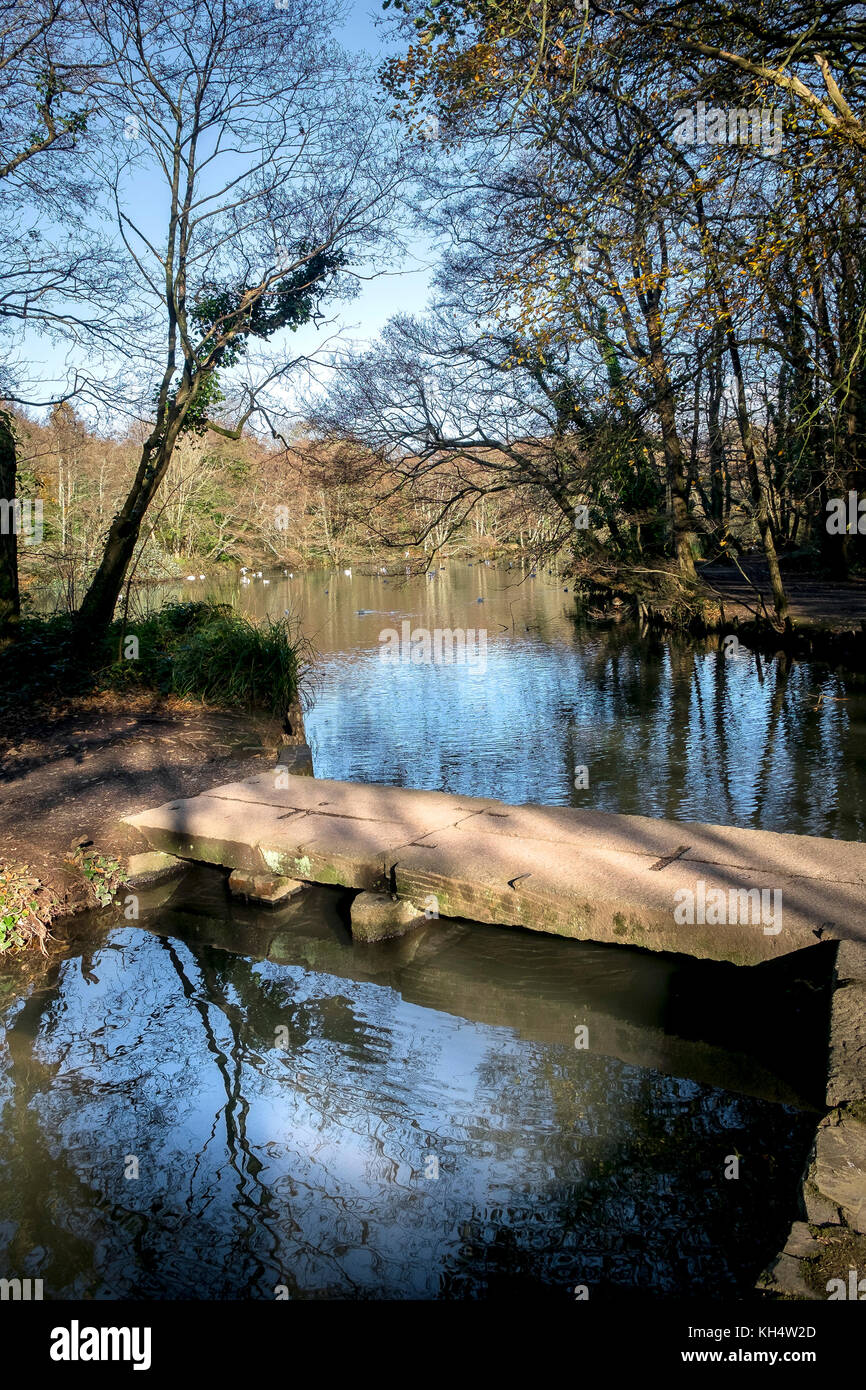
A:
[56, 271]
[269, 174]
[447, 417]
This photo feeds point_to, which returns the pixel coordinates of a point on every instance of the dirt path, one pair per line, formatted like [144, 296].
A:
[72, 777]
[815, 601]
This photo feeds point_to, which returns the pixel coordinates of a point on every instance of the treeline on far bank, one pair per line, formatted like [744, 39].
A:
[227, 503]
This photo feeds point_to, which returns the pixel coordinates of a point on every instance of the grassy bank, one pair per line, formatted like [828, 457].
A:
[197, 651]
[90, 731]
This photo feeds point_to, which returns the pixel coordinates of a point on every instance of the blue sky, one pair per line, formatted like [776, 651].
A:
[403, 288]
[406, 292]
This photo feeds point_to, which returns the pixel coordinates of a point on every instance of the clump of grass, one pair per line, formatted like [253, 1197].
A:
[234, 662]
[209, 652]
[200, 651]
[104, 876]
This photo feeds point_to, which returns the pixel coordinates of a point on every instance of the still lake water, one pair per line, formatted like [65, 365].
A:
[411, 1120]
[216, 1102]
[664, 728]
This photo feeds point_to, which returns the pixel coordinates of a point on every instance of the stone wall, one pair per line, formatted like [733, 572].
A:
[824, 1256]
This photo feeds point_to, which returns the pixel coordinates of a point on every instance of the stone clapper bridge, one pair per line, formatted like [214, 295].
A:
[588, 875]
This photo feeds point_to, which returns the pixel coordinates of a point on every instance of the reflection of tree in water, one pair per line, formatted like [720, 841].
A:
[202, 1219]
[38, 1236]
[667, 727]
[305, 1166]
[641, 1204]
[69, 1214]
[675, 728]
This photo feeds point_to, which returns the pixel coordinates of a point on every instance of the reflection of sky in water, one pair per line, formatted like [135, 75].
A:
[666, 728]
[305, 1166]
[663, 732]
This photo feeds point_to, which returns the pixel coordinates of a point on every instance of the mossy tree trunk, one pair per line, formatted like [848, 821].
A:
[10, 607]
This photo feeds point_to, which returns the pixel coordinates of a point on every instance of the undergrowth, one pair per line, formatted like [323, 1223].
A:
[199, 651]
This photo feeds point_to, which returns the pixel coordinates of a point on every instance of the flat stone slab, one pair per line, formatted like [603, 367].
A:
[603, 894]
[264, 888]
[583, 874]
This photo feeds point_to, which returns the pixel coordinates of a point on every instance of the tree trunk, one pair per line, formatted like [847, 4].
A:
[100, 601]
[716, 440]
[758, 493]
[10, 607]
[684, 536]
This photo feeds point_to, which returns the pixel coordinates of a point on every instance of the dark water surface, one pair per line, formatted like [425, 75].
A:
[409, 1120]
[216, 1103]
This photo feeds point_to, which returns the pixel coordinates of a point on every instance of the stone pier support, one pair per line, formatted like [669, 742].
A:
[267, 889]
[829, 1241]
[379, 916]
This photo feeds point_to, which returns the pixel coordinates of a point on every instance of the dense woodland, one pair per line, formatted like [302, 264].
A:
[226, 503]
[645, 344]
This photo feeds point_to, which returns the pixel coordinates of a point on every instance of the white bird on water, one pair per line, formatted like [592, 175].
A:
[189, 578]
[266, 581]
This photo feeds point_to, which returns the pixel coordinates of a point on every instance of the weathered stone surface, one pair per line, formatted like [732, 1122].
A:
[785, 1276]
[211, 831]
[587, 875]
[801, 1243]
[378, 916]
[820, 1211]
[846, 1063]
[851, 962]
[151, 866]
[767, 852]
[334, 849]
[263, 888]
[839, 1169]
[602, 894]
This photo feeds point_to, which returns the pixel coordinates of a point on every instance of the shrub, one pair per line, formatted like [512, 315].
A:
[209, 652]
[201, 651]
